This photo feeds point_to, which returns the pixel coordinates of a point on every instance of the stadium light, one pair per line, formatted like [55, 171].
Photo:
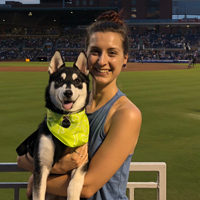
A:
[30, 14]
[69, 2]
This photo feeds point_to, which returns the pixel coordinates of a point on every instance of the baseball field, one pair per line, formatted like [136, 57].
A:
[168, 96]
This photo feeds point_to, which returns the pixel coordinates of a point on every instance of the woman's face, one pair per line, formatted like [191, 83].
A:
[105, 56]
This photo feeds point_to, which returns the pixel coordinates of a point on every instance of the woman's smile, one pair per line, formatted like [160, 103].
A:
[101, 71]
[105, 56]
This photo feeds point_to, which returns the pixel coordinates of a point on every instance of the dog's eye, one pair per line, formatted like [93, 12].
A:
[77, 81]
[60, 80]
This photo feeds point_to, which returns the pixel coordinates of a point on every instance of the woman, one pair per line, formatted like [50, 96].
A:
[114, 120]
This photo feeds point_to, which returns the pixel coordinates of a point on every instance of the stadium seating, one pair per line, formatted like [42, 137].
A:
[20, 43]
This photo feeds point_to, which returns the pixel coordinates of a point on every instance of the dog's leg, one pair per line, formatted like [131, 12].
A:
[43, 165]
[76, 183]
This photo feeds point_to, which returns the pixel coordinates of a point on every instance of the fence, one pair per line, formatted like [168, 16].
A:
[159, 167]
[160, 184]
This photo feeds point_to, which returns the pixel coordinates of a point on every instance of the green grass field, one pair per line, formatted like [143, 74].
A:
[170, 105]
[28, 64]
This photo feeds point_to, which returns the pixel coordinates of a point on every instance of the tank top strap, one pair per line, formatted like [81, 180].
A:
[106, 108]
[98, 118]
[103, 111]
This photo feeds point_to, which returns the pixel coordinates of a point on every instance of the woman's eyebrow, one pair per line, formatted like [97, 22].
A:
[113, 49]
[94, 48]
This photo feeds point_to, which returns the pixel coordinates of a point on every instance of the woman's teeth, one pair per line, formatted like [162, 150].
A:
[103, 70]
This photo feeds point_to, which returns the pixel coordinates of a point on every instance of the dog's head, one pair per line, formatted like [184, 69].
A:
[68, 87]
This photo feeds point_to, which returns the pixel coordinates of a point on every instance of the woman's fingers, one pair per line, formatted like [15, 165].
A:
[80, 155]
[82, 150]
[71, 161]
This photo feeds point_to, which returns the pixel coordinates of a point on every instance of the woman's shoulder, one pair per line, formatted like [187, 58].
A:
[125, 111]
[126, 108]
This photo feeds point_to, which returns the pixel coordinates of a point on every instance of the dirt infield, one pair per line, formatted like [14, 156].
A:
[153, 66]
[130, 67]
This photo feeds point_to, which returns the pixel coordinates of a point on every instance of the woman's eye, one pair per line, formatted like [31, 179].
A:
[112, 53]
[95, 53]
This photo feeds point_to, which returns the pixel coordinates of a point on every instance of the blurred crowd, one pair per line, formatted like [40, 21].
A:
[20, 43]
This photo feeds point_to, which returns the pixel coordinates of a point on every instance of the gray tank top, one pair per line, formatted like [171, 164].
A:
[115, 188]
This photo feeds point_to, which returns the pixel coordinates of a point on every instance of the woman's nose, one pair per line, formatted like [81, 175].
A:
[102, 60]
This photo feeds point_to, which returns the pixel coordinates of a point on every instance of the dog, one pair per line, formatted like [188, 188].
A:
[65, 124]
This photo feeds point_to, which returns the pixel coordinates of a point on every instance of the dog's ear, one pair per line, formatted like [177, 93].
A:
[81, 63]
[55, 63]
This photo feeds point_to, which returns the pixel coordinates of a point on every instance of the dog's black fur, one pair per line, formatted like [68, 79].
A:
[31, 144]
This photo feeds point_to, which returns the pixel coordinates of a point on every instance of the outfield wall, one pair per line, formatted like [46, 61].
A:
[159, 61]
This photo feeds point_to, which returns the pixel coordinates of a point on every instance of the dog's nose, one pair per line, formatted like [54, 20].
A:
[68, 93]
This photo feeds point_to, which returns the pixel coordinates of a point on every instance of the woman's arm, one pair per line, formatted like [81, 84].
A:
[120, 141]
[70, 161]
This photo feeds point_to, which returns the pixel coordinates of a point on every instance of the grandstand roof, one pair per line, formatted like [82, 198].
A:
[48, 16]
[164, 22]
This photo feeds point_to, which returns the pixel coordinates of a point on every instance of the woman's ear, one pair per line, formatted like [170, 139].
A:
[125, 59]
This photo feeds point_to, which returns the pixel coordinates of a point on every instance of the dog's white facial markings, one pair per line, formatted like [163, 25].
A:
[57, 95]
[74, 76]
[63, 75]
[79, 97]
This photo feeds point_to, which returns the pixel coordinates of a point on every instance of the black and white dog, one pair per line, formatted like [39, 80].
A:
[65, 125]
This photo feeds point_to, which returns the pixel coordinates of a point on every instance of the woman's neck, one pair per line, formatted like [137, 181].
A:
[101, 95]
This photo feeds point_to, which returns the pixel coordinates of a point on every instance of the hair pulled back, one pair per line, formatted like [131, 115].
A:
[109, 21]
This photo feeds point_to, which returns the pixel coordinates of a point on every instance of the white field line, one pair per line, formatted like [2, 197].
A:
[194, 116]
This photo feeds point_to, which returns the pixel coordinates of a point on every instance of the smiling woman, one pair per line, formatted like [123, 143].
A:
[106, 55]
[114, 120]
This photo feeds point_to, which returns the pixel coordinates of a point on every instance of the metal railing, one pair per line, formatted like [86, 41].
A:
[159, 167]
[12, 167]
[160, 184]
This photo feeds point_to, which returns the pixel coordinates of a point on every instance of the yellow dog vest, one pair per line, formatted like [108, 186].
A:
[76, 134]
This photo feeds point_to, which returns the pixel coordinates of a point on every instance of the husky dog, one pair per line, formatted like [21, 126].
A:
[65, 125]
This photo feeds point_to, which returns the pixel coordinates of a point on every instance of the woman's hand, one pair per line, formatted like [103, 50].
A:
[26, 162]
[71, 160]
[66, 163]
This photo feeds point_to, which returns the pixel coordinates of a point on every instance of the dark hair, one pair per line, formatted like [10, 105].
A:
[109, 21]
